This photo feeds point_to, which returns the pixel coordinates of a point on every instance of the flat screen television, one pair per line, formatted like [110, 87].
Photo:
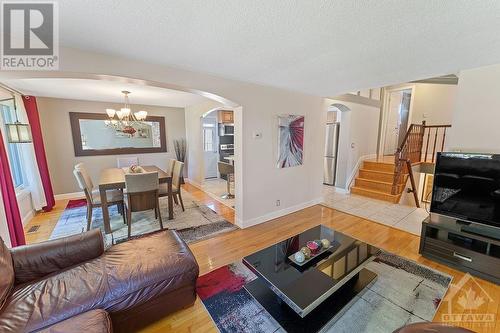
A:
[467, 187]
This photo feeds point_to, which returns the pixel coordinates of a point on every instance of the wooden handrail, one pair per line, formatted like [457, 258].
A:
[411, 151]
[440, 126]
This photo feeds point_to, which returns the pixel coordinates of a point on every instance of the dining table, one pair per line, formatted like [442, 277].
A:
[114, 179]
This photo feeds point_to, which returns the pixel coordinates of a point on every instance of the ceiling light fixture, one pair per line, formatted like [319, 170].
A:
[124, 120]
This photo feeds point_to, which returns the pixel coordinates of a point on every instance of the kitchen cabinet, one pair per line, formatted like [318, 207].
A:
[226, 117]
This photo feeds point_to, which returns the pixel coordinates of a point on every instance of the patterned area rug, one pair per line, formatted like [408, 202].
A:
[404, 292]
[196, 223]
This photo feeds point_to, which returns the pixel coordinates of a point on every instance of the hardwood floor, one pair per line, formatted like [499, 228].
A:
[229, 247]
[45, 222]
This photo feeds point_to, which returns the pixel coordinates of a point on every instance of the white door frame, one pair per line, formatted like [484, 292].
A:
[385, 111]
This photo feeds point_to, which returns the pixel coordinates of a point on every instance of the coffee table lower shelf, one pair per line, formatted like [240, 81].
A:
[330, 309]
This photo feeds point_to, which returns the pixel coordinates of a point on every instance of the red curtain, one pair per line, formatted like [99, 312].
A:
[41, 159]
[14, 222]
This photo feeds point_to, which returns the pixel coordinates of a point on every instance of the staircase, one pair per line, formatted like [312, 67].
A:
[375, 181]
[386, 180]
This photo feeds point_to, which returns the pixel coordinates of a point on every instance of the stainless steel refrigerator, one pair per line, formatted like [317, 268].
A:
[331, 149]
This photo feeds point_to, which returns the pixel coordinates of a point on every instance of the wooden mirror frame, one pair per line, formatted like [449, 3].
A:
[75, 117]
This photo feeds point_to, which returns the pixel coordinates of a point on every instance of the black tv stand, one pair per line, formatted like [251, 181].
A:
[465, 246]
[479, 229]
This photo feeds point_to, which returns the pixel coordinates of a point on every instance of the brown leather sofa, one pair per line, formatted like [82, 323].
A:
[64, 281]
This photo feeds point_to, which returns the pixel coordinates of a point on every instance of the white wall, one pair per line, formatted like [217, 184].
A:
[476, 119]
[56, 130]
[357, 138]
[257, 177]
[433, 103]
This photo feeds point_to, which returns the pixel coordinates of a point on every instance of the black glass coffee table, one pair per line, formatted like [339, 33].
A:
[316, 291]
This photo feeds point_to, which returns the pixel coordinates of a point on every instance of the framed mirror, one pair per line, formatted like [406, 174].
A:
[93, 135]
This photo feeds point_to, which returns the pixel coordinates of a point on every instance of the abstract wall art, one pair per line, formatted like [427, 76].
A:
[290, 140]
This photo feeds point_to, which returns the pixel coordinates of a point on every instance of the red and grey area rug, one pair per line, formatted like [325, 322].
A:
[404, 292]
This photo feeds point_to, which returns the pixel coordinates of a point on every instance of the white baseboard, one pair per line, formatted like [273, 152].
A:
[192, 182]
[276, 214]
[354, 172]
[73, 195]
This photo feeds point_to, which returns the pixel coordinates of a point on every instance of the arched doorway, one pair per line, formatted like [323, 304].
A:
[336, 145]
[218, 137]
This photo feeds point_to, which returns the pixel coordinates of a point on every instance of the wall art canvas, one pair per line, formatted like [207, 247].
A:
[290, 140]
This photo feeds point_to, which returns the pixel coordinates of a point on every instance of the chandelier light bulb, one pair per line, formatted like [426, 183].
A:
[119, 114]
[125, 112]
[140, 115]
[111, 112]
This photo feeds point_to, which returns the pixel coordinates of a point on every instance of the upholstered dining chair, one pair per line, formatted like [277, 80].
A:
[171, 163]
[125, 162]
[142, 194]
[227, 170]
[93, 197]
[176, 184]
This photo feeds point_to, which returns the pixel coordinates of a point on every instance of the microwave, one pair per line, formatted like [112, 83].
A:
[226, 129]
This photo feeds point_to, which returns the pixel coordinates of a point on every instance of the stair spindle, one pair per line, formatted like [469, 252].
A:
[435, 142]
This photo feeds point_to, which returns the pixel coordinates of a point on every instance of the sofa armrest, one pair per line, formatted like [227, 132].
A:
[93, 321]
[35, 261]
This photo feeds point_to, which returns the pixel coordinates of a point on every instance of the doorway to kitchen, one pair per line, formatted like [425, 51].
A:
[210, 145]
[218, 149]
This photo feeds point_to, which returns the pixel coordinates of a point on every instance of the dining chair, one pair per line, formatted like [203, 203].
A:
[176, 184]
[93, 197]
[171, 163]
[227, 170]
[142, 194]
[125, 162]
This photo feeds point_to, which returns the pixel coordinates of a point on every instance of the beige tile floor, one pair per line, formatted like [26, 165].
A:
[399, 216]
[217, 187]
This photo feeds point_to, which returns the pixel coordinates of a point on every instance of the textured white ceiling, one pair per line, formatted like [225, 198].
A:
[322, 47]
[104, 91]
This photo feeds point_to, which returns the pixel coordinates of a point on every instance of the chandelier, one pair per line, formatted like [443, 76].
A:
[124, 120]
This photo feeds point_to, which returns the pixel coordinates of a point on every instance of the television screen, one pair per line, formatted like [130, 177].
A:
[467, 187]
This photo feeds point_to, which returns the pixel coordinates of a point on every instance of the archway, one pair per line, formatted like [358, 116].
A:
[214, 100]
[217, 141]
[336, 158]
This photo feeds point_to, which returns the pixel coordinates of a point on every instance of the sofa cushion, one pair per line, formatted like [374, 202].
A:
[34, 261]
[127, 275]
[7, 273]
[94, 321]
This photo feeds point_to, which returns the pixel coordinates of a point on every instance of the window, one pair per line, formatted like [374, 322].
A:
[13, 149]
